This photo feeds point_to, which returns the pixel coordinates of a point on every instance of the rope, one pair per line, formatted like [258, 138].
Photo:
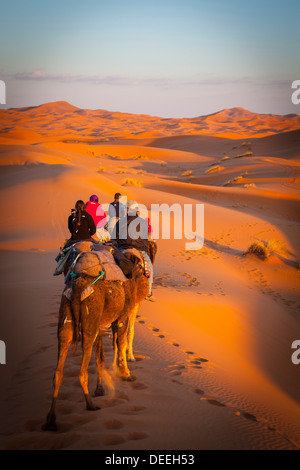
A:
[99, 277]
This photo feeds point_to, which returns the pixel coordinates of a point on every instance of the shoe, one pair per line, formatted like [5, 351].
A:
[150, 298]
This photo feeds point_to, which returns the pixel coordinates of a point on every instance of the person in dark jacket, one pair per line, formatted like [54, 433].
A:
[81, 225]
[116, 210]
[132, 232]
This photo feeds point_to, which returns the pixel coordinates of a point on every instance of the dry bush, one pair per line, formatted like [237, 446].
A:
[237, 179]
[258, 249]
[132, 182]
[249, 185]
[225, 158]
[101, 169]
[141, 157]
[214, 168]
[120, 170]
[187, 173]
[246, 154]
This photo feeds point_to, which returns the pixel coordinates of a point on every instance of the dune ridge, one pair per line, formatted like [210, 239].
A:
[100, 125]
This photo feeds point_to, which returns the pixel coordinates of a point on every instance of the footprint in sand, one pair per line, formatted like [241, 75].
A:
[176, 382]
[198, 391]
[153, 328]
[136, 436]
[173, 373]
[174, 344]
[194, 362]
[113, 424]
[201, 359]
[138, 385]
[133, 410]
[212, 401]
[112, 439]
[177, 366]
[110, 402]
[139, 357]
[246, 415]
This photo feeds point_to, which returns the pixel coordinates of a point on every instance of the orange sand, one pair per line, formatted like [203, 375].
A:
[213, 367]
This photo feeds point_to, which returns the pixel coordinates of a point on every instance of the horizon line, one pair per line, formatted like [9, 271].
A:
[145, 114]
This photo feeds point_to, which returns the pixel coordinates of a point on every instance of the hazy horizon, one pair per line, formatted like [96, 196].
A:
[151, 115]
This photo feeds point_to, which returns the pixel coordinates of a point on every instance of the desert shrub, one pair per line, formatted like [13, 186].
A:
[214, 168]
[237, 179]
[246, 154]
[100, 169]
[187, 173]
[120, 170]
[141, 157]
[131, 182]
[225, 158]
[249, 185]
[258, 249]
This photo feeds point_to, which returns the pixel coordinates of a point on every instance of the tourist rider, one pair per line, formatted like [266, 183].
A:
[81, 225]
[132, 232]
[116, 209]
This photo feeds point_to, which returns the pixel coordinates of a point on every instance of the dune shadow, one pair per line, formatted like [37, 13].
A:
[11, 175]
[223, 248]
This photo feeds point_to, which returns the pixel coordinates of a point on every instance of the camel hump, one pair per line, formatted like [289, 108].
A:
[83, 246]
[93, 263]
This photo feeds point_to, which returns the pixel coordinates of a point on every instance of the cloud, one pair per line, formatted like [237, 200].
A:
[123, 80]
[119, 80]
[162, 82]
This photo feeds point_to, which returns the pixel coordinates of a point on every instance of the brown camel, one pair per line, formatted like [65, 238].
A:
[111, 303]
[152, 251]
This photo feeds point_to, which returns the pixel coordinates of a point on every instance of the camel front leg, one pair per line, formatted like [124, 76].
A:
[65, 337]
[114, 328]
[132, 318]
[122, 329]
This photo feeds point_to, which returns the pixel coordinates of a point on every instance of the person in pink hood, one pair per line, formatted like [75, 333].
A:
[95, 210]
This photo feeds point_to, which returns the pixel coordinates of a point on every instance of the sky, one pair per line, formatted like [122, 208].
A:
[168, 58]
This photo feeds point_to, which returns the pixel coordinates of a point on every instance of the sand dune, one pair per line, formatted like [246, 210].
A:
[57, 120]
[213, 363]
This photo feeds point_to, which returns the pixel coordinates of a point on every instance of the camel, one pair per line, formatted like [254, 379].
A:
[112, 303]
[151, 250]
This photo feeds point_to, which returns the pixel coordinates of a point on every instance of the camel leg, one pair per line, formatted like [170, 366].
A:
[114, 328]
[123, 370]
[100, 364]
[132, 317]
[65, 336]
[87, 346]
